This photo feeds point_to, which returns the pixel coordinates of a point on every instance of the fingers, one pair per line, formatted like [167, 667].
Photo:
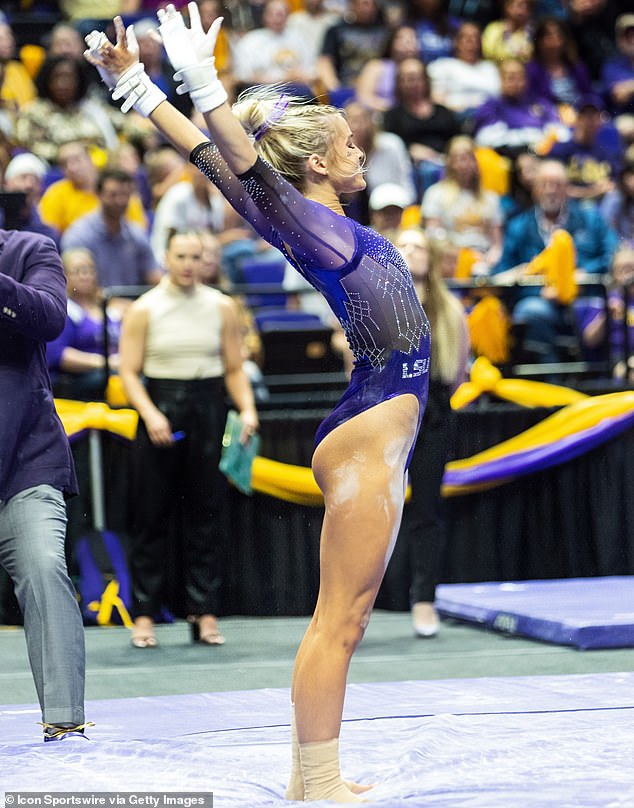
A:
[194, 17]
[247, 433]
[170, 15]
[91, 39]
[95, 39]
[133, 45]
[161, 439]
[214, 29]
[120, 31]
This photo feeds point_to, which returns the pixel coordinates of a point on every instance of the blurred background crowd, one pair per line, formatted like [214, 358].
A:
[493, 127]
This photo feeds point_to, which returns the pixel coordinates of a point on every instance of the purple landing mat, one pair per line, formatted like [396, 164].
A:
[583, 612]
[522, 742]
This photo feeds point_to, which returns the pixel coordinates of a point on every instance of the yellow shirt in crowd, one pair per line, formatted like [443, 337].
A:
[62, 203]
[17, 87]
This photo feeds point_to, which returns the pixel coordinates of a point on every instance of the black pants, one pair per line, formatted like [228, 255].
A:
[423, 526]
[179, 493]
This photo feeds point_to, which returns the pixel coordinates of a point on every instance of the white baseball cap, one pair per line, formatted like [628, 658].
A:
[25, 163]
[388, 194]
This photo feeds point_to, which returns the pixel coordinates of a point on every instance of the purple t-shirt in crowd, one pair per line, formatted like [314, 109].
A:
[432, 43]
[614, 71]
[84, 333]
[576, 87]
[516, 113]
[620, 329]
[588, 164]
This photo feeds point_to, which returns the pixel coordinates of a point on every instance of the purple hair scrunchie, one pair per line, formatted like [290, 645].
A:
[276, 113]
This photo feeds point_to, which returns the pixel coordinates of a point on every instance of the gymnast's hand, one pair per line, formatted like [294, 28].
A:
[121, 63]
[112, 61]
[94, 40]
[187, 47]
[190, 52]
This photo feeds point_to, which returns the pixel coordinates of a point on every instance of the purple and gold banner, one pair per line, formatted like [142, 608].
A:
[582, 423]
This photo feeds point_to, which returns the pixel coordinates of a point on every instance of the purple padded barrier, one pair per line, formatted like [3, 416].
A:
[462, 743]
[584, 612]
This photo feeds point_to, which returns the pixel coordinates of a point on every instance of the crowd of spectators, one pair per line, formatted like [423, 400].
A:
[459, 107]
[489, 127]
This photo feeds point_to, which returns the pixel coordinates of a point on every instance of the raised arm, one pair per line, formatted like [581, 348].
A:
[278, 212]
[121, 71]
[190, 51]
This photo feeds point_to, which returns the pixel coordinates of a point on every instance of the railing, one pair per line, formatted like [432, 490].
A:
[589, 283]
[332, 383]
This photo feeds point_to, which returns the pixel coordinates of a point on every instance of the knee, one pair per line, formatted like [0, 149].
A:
[46, 570]
[346, 628]
[353, 631]
[349, 636]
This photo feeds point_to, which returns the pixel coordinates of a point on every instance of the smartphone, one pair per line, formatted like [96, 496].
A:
[12, 209]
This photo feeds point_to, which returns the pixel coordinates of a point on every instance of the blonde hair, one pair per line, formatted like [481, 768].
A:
[626, 251]
[75, 252]
[287, 141]
[446, 318]
[67, 257]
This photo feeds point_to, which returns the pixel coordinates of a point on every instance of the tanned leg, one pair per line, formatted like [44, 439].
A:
[360, 469]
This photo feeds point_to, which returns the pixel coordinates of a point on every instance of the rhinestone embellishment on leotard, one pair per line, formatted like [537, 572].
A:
[371, 331]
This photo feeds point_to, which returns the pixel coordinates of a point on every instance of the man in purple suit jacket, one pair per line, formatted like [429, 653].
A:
[36, 474]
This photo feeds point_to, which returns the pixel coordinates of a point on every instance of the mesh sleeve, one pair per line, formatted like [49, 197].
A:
[315, 235]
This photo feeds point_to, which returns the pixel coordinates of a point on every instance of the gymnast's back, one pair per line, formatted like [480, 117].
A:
[359, 272]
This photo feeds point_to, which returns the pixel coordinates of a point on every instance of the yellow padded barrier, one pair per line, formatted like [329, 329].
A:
[77, 416]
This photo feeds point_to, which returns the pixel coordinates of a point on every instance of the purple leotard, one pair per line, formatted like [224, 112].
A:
[360, 273]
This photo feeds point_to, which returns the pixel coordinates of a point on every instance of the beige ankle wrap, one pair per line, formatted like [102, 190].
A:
[295, 789]
[322, 776]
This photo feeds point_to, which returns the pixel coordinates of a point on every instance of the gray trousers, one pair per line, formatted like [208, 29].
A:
[32, 534]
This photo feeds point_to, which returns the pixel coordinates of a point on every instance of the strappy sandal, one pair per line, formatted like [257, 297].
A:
[144, 641]
[213, 637]
[143, 633]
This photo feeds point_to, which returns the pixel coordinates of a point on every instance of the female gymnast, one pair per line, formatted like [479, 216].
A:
[283, 166]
